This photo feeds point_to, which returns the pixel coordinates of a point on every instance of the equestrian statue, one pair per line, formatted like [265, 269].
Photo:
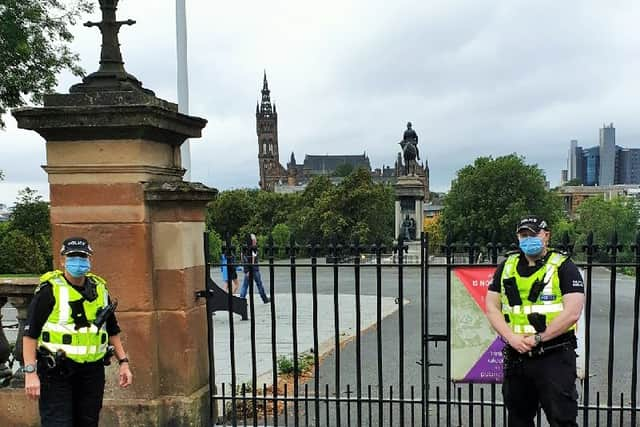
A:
[410, 151]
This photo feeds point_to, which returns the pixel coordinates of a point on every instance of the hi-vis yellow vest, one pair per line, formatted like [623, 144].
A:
[83, 344]
[548, 302]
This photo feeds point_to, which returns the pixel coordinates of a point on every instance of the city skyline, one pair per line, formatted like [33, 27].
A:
[604, 164]
[475, 80]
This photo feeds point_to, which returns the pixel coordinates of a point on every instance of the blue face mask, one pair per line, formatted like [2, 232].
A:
[531, 246]
[77, 266]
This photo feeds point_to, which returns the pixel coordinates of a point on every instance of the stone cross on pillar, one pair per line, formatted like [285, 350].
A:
[111, 75]
[110, 56]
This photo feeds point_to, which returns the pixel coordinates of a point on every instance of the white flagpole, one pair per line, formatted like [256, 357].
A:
[183, 79]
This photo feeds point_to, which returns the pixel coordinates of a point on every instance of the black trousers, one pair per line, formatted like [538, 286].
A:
[72, 397]
[548, 381]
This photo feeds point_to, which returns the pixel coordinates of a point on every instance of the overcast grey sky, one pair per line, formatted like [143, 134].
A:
[476, 78]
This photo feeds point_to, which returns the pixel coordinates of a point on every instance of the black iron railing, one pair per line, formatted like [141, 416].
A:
[372, 365]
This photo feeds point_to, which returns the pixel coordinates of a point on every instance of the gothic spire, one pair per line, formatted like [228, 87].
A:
[266, 107]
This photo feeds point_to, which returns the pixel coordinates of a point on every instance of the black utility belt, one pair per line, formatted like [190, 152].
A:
[542, 349]
[59, 360]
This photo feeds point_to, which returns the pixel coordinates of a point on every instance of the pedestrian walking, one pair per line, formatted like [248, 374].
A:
[534, 303]
[251, 268]
[70, 334]
[224, 268]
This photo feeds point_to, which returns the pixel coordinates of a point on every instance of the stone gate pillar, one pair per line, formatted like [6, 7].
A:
[115, 177]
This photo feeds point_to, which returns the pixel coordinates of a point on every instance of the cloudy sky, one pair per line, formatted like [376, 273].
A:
[476, 78]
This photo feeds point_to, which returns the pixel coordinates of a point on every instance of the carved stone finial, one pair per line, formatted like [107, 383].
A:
[111, 76]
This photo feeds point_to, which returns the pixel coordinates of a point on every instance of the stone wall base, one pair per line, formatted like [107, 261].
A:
[16, 410]
[169, 411]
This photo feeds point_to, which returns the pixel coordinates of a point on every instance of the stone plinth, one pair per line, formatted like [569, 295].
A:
[409, 201]
[115, 175]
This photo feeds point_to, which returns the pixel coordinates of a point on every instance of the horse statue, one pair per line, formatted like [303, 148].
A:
[410, 151]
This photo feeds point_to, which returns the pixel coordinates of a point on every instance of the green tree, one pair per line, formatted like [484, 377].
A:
[19, 254]
[270, 209]
[215, 246]
[317, 188]
[343, 169]
[574, 181]
[603, 217]
[305, 220]
[281, 235]
[492, 194]
[34, 40]
[356, 209]
[562, 227]
[230, 211]
[31, 214]
[433, 226]
[242, 212]
[4, 230]
[367, 208]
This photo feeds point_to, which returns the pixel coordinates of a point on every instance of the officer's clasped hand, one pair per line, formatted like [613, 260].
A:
[521, 343]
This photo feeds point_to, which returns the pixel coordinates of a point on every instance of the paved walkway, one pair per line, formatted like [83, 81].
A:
[284, 335]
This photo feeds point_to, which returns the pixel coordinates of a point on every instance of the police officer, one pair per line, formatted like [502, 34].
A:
[63, 349]
[534, 302]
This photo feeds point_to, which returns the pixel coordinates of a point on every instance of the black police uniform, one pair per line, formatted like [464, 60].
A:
[547, 379]
[71, 393]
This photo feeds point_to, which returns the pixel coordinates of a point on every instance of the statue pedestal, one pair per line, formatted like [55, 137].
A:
[412, 256]
[409, 202]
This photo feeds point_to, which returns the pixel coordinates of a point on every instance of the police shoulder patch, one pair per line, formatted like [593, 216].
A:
[96, 279]
[562, 252]
[47, 277]
[50, 275]
[41, 286]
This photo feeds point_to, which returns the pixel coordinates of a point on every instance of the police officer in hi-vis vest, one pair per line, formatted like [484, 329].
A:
[71, 333]
[534, 302]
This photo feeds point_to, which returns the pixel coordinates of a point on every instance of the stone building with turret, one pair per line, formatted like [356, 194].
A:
[276, 177]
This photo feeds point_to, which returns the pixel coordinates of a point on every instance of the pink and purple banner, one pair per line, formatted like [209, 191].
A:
[476, 351]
